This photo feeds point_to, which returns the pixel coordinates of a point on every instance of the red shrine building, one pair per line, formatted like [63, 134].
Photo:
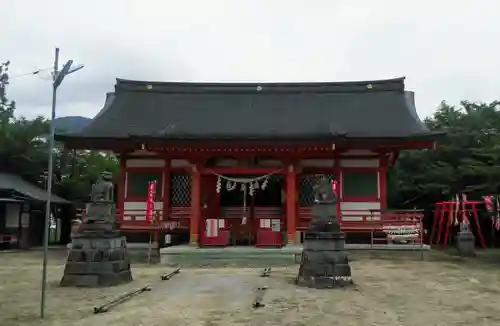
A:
[234, 162]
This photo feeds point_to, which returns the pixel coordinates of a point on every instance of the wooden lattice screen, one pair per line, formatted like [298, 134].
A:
[180, 189]
[306, 189]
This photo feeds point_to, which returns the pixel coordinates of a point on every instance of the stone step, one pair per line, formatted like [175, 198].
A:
[188, 256]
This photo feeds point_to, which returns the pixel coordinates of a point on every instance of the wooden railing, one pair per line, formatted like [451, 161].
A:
[9, 239]
[134, 220]
[234, 212]
[396, 225]
[268, 212]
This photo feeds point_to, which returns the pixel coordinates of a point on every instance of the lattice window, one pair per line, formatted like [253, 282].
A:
[306, 188]
[180, 189]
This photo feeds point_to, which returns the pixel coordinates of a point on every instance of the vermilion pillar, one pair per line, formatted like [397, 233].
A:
[291, 203]
[194, 225]
[122, 180]
[382, 184]
[337, 171]
[165, 213]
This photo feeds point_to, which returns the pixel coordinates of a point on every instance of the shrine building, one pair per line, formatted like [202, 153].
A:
[234, 162]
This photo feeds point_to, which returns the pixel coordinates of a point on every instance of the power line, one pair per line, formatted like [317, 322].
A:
[36, 72]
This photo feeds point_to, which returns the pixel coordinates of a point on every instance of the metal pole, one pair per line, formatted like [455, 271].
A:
[49, 189]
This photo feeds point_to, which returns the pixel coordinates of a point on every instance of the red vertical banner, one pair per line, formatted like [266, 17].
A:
[488, 202]
[465, 217]
[150, 203]
[335, 187]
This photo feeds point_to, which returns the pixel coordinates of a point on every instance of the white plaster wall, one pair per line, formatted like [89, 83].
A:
[360, 163]
[269, 163]
[144, 163]
[354, 152]
[226, 162]
[176, 163]
[319, 163]
[143, 152]
[138, 209]
[354, 211]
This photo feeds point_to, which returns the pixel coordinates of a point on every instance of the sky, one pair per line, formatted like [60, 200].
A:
[446, 49]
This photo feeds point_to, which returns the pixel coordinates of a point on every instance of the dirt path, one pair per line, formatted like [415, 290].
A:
[389, 292]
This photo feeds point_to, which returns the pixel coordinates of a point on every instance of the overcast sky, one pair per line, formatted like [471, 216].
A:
[447, 49]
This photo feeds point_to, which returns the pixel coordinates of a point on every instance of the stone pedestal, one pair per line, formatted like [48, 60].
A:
[466, 243]
[324, 262]
[98, 257]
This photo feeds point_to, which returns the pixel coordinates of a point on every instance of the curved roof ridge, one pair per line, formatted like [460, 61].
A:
[380, 109]
[110, 97]
[395, 84]
[350, 82]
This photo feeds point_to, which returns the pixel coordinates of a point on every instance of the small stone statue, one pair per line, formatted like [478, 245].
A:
[102, 190]
[323, 191]
[464, 226]
[466, 240]
[324, 208]
[102, 207]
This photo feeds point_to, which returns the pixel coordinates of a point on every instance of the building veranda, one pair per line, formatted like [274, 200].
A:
[234, 163]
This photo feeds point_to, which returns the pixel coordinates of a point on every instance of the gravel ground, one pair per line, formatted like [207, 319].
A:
[388, 292]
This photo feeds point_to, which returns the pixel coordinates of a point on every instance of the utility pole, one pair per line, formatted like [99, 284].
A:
[49, 186]
[57, 79]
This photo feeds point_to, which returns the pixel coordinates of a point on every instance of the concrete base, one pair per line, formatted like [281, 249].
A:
[97, 261]
[187, 255]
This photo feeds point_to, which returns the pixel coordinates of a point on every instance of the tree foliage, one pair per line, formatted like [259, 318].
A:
[467, 159]
[24, 151]
[6, 107]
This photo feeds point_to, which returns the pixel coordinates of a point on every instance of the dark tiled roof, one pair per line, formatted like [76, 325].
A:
[14, 182]
[369, 109]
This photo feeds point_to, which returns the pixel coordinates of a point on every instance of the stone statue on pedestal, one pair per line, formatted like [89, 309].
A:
[466, 243]
[102, 190]
[98, 254]
[324, 262]
[102, 206]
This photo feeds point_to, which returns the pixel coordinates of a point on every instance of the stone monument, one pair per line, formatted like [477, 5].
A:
[324, 262]
[466, 243]
[98, 255]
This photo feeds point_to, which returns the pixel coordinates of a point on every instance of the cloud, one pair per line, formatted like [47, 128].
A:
[446, 49]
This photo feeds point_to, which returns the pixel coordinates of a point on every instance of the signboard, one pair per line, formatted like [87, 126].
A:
[150, 202]
[275, 225]
[171, 225]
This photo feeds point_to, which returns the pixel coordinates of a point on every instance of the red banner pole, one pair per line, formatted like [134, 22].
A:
[150, 200]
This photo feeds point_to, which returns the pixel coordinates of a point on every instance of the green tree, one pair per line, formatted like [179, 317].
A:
[82, 171]
[466, 159]
[24, 151]
[6, 107]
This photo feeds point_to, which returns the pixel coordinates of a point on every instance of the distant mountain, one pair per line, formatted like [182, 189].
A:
[71, 125]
